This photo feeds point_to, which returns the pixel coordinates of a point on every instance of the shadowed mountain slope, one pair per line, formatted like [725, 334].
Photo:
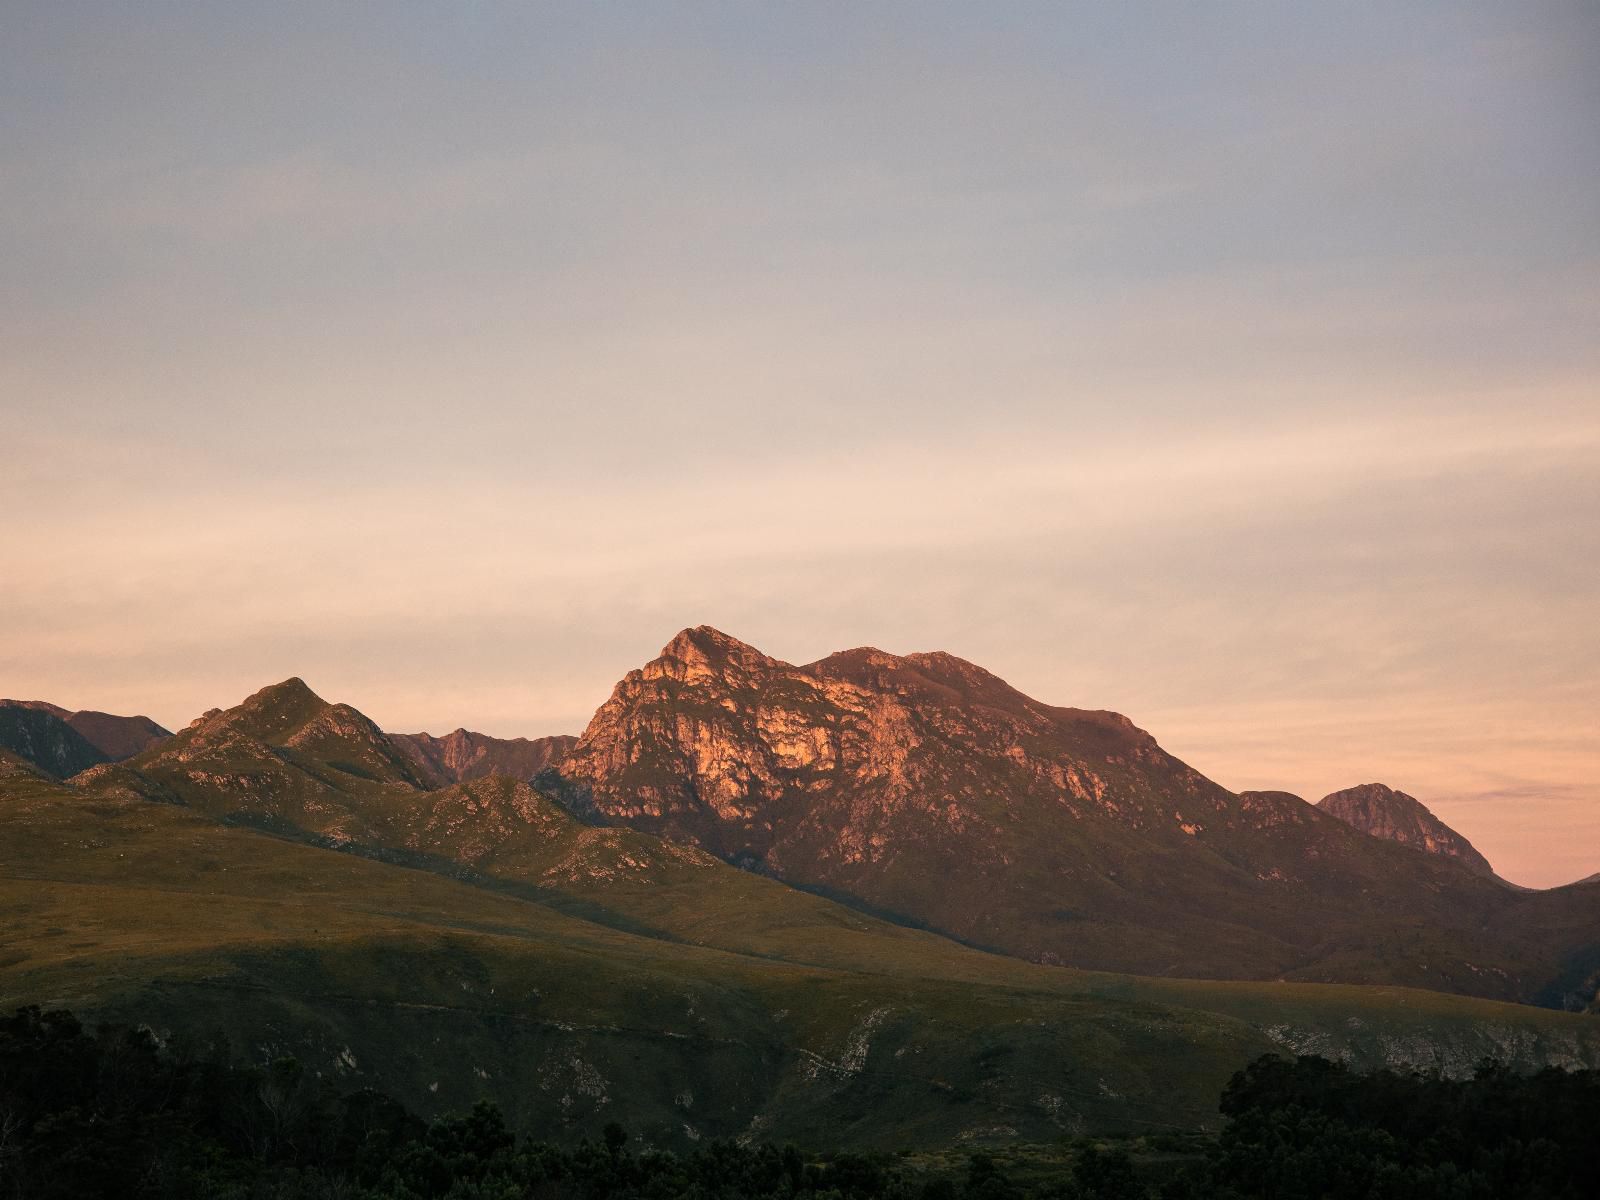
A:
[42, 737]
[926, 788]
[114, 737]
[1385, 813]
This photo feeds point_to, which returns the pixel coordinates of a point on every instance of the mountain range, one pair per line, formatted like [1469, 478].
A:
[925, 789]
[794, 897]
[64, 743]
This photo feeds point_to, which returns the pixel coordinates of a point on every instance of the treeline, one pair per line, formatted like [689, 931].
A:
[109, 1113]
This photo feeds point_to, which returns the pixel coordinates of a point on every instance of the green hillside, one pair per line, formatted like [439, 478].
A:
[612, 977]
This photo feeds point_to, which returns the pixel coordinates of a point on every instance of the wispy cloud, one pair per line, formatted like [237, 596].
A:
[1232, 368]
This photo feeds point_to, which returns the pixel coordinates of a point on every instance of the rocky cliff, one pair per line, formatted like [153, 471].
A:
[1383, 812]
[925, 788]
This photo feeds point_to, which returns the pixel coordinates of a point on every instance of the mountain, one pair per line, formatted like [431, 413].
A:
[117, 737]
[1385, 813]
[42, 737]
[114, 737]
[480, 940]
[925, 789]
[284, 758]
[463, 755]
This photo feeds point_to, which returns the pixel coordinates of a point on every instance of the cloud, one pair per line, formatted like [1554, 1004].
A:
[1235, 369]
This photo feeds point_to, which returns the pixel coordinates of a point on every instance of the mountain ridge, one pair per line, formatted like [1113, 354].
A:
[926, 787]
[484, 923]
[463, 755]
[113, 737]
[928, 791]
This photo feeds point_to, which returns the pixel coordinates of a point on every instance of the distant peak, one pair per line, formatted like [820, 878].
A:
[276, 708]
[1372, 789]
[703, 643]
[292, 688]
[55, 710]
[1375, 797]
[1384, 812]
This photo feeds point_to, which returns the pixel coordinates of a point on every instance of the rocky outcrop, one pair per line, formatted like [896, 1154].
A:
[926, 788]
[717, 743]
[463, 755]
[1383, 812]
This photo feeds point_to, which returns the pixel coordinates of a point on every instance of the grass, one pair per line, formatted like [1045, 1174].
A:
[622, 979]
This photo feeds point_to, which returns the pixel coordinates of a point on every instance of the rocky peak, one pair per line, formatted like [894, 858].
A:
[283, 752]
[291, 692]
[272, 715]
[862, 756]
[703, 653]
[1383, 812]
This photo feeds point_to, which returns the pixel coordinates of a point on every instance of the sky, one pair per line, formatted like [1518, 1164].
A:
[1235, 366]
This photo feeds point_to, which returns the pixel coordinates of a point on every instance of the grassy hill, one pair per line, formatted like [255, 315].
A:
[626, 979]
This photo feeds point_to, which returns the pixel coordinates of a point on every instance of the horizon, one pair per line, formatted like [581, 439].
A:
[1456, 814]
[1233, 369]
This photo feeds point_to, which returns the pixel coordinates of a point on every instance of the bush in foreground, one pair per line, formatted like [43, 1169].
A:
[110, 1113]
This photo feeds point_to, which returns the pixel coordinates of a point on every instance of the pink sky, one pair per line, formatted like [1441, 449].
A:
[1234, 369]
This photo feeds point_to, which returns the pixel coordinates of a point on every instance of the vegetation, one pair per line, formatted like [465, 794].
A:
[1314, 1129]
[683, 1001]
[112, 1113]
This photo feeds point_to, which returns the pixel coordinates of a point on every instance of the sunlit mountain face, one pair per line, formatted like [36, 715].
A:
[1106, 428]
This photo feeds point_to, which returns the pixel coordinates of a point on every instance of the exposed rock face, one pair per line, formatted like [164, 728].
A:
[925, 787]
[116, 738]
[461, 756]
[717, 743]
[1386, 813]
[42, 737]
